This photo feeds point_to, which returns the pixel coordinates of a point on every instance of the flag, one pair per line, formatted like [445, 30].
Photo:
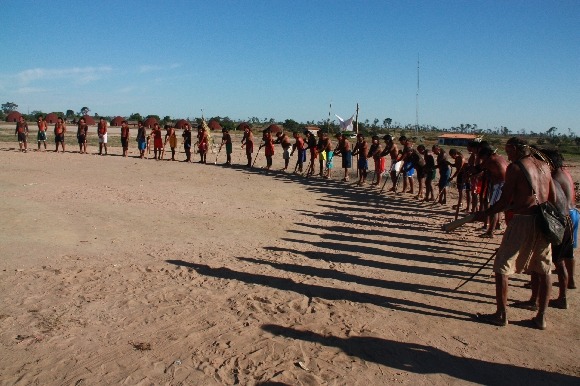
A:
[345, 125]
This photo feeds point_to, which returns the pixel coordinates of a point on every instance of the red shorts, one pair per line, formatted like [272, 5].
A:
[380, 165]
[157, 143]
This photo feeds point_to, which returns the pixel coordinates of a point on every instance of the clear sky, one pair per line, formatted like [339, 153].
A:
[493, 63]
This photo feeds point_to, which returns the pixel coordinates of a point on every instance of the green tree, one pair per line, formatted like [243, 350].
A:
[70, 114]
[135, 117]
[291, 125]
[9, 107]
[85, 111]
[154, 116]
[552, 131]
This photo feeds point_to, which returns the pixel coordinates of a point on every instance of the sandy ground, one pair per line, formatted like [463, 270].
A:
[140, 272]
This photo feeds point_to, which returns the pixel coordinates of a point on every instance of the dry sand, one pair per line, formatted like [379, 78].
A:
[140, 272]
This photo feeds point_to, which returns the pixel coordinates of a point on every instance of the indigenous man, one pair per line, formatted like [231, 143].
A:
[21, 132]
[392, 150]
[311, 145]
[418, 162]
[202, 144]
[301, 147]
[444, 172]
[496, 167]
[321, 148]
[282, 139]
[343, 149]
[523, 247]
[361, 149]
[563, 254]
[375, 153]
[59, 131]
[102, 132]
[227, 140]
[42, 127]
[474, 180]
[172, 138]
[141, 139]
[187, 142]
[248, 143]
[268, 145]
[125, 137]
[462, 180]
[157, 141]
[329, 155]
[430, 171]
[82, 132]
[408, 167]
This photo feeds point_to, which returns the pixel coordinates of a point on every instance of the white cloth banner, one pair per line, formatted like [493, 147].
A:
[345, 125]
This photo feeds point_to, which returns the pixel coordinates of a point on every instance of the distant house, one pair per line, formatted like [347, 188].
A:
[117, 121]
[180, 124]
[51, 118]
[456, 139]
[13, 116]
[214, 125]
[149, 122]
[89, 120]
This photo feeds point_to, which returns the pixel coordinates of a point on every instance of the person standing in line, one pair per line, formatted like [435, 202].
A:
[42, 128]
[59, 132]
[82, 133]
[102, 132]
[125, 137]
[248, 143]
[21, 133]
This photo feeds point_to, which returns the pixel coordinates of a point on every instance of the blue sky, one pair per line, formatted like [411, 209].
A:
[492, 63]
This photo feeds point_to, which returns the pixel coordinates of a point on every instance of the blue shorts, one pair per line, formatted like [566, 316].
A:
[347, 160]
[575, 217]
[444, 178]
[142, 145]
[302, 155]
[410, 170]
[329, 157]
[362, 163]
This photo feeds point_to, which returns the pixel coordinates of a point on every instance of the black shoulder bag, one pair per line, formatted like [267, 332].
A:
[551, 221]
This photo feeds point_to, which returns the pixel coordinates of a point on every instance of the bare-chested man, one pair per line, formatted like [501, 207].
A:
[42, 128]
[461, 166]
[375, 152]
[430, 172]
[343, 149]
[444, 172]
[523, 247]
[82, 132]
[392, 151]
[284, 141]
[125, 137]
[496, 166]
[562, 254]
[59, 132]
[311, 145]
[21, 132]
[248, 143]
[361, 149]
[102, 133]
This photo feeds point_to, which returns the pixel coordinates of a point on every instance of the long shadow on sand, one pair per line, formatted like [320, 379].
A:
[329, 293]
[421, 359]
[422, 289]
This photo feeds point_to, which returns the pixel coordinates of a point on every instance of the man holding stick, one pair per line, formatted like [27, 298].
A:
[523, 247]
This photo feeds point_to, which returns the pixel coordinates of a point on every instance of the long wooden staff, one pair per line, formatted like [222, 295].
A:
[258, 152]
[476, 272]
